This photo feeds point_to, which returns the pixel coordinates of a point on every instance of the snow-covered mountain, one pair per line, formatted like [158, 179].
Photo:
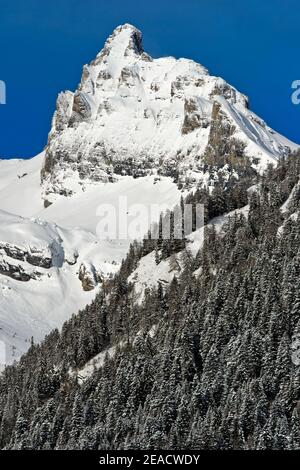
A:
[142, 128]
[52, 262]
[135, 115]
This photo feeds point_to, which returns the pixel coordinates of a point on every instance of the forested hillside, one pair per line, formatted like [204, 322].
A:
[206, 362]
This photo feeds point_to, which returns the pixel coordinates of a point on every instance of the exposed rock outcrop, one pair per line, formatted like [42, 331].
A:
[16, 271]
[195, 115]
[223, 147]
[88, 276]
[32, 256]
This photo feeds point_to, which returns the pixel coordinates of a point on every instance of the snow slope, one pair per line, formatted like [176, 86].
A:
[20, 185]
[81, 209]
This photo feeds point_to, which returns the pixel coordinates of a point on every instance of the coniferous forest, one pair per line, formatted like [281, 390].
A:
[207, 362]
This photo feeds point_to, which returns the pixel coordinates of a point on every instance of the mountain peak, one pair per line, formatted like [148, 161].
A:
[125, 38]
[126, 27]
[135, 115]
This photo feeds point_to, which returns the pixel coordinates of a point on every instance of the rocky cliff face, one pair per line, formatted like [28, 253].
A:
[132, 114]
[30, 257]
[29, 248]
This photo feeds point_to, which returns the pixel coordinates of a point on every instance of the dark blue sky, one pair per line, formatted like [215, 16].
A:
[253, 44]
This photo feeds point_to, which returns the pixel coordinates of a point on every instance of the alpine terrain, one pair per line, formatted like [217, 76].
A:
[136, 342]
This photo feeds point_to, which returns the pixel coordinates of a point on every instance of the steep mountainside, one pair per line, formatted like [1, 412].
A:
[148, 130]
[209, 360]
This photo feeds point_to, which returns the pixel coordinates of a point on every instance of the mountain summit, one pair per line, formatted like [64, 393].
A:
[135, 115]
[125, 37]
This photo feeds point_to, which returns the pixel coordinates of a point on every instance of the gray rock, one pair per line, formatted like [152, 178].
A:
[89, 277]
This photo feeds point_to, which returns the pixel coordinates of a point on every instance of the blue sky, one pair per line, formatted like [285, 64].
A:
[253, 44]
